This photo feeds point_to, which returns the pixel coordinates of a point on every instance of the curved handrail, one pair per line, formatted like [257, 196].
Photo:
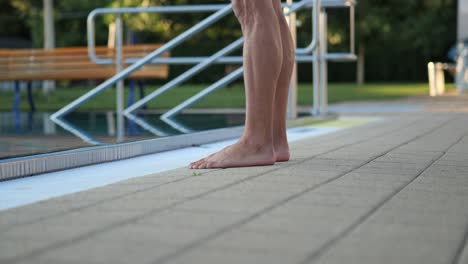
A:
[202, 62]
[168, 116]
[160, 9]
[56, 117]
[128, 112]
[135, 10]
[313, 45]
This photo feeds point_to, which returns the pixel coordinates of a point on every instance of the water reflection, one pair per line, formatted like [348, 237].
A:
[25, 133]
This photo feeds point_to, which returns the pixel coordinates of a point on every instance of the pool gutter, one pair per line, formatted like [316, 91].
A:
[42, 163]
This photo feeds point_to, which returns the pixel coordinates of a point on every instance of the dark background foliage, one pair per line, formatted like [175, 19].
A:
[396, 37]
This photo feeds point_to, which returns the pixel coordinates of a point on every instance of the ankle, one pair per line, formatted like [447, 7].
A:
[257, 145]
[280, 142]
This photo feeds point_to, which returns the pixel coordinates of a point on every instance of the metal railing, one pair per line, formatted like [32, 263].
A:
[319, 59]
[221, 12]
[167, 117]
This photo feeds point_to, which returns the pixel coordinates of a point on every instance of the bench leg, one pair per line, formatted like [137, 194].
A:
[32, 106]
[30, 121]
[131, 93]
[142, 91]
[17, 99]
[130, 125]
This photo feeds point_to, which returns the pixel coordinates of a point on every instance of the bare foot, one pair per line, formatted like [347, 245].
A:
[281, 146]
[240, 154]
[282, 153]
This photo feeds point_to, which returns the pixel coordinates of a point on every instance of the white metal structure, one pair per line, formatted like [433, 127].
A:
[318, 46]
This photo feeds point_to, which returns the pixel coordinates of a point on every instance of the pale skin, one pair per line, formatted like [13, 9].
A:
[268, 64]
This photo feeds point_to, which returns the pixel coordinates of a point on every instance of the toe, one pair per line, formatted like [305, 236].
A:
[200, 165]
[206, 165]
[212, 165]
[194, 165]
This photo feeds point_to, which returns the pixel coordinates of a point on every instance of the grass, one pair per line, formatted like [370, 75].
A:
[229, 97]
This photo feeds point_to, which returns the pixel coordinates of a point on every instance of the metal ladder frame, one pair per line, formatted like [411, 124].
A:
[319, 59]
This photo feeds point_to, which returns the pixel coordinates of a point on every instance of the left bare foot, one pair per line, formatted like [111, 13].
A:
[282, 153]
[240, 154]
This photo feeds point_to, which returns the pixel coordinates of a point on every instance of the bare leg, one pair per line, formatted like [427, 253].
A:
[263, 58]
[282, 88]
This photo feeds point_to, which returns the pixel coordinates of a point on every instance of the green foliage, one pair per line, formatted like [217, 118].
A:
[12, 21]
[231, 97]
[399, 36]
[70, 20]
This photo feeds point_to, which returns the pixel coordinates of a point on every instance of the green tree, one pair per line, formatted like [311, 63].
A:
[69, 17]
[396, 37]
[13, 25]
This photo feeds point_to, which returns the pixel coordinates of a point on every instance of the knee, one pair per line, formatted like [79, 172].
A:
[247, 11]
[238, 8]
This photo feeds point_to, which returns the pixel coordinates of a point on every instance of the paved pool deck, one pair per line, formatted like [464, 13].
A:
[391, 191]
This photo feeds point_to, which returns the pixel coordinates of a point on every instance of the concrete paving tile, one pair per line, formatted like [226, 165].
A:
[316, 212]
[452, 163]
[384, 253]
[214, 216]
[303, 177]
[190, 219]
[311, 221]
[464, 255]
[257, 188]
[331, 162]
[343, 195]
[410, 160]
[52, 234]
[395, 242]
[374, 183]
[450, 186]
[447, 169]
[233, 256]
[394, 217]
[348, 156]
[416, 226]
[109, 251]
[224, 206]
[12, 218]
[376, 178]
[155, 235]
[415, 167]
[394, 170]
[451, 156]
[264, 243]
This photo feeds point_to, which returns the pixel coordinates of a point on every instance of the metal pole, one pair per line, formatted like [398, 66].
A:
[323, 64]
[292, 95]
[316, 28]
[352, 30]
[49, 38]
[120, 83]
[197, 97]
[431, 76]
[440, 78]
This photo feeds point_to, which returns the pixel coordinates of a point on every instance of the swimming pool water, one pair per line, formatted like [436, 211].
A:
[29, 133]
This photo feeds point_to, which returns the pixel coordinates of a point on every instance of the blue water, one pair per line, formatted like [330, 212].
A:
[97, 123]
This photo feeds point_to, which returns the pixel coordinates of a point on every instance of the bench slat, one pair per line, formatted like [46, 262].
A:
[72, 64]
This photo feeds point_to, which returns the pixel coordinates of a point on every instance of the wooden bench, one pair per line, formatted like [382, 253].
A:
[71, 64]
